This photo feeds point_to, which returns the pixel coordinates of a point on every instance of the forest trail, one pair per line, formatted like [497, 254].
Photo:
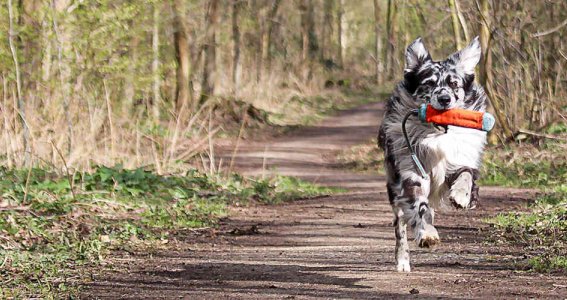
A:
[329, 247]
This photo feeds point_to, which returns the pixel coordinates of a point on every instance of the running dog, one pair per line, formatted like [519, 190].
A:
[451, 155]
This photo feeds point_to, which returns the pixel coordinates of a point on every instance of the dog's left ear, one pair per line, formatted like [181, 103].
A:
[467, 59]
[416, 55]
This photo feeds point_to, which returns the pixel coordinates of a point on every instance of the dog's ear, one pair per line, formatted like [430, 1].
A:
[467, 59]
[416, 55]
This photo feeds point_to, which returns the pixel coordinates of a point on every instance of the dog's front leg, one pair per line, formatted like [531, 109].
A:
[463, 192]
[412, 207]
[402, 247]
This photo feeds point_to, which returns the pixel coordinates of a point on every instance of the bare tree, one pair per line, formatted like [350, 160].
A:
[62, 40]
[156, 81]
[458, 40]
[340, 13]
[236, 67]
[183, 91]
[268, 34]
[21, 106]
[310, 46]
[378, 44]
[327, 28]
[392, 31]
[258, 8]
[209, 51]
[485, 74]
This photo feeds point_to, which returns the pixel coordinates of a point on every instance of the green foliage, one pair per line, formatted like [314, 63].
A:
[523, 172]
[46, 230]
[541, 231]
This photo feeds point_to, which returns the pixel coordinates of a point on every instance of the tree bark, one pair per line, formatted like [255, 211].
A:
[462, 20]
[156, 82]
[391, 28]
[457, 39]
[310, 46]
[340, 13]
[129, 88]
[236, 67]
[29, 21]
[268, 33]
[258, 8]
[20, 101]
[62, 40]
[183, 91]
[485, 74]
[327, 29]
[209, 52]
[378, 44]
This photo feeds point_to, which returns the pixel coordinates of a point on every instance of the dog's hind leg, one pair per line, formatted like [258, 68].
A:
[402, 248]
[416, 211]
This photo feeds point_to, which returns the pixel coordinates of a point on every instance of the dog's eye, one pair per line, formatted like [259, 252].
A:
[453, 84]
[429, 83]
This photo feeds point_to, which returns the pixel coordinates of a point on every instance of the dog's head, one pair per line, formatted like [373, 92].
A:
[445, 84]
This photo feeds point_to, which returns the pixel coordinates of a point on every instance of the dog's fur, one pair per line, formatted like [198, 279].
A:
[451, 156]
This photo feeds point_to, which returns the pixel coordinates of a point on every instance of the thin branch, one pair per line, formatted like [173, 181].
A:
[542, 135]
[20, 101]
[69, 178]
[550, 31]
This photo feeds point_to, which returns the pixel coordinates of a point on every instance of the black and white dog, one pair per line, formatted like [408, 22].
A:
[451, 156]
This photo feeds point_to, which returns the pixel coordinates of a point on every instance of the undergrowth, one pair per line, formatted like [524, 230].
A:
[365, 157]
[50, 225]
[542, 231]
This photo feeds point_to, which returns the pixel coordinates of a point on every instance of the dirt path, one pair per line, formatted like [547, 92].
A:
[330, 247]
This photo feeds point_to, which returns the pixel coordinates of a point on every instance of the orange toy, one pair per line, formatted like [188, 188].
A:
[457, 117]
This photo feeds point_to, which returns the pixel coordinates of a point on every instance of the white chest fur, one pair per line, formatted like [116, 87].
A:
[445, 153]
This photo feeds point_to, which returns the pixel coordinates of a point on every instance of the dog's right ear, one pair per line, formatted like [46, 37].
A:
[416, 55]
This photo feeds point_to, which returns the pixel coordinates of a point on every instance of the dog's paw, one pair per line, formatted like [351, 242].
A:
[460, 193]
[404, 266]
[427, 237]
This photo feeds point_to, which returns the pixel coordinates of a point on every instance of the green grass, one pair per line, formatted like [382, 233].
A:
[50, 233]
[542, 231]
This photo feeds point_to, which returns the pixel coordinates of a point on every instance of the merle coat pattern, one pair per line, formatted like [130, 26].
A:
[451, 155]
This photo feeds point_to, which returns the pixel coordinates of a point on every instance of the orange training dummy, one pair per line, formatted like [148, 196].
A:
[457, 117]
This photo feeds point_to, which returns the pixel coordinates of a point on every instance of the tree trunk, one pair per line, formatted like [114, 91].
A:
[485, 75]
[462, 20]
[129, 88]
[378, 48]
[258, 8]
[156, 82]
[236, 67]
[313, 42]
[209, 52]
[458, 40]
[183, 91]
[391, 26]
[29, 21]
[310, 46]
[63, 47]
[340, 13]
[304, 36]
[267, 40]
[12, 37]
[327, 29]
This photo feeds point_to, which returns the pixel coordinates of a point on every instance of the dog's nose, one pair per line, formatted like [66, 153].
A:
[444, 99]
